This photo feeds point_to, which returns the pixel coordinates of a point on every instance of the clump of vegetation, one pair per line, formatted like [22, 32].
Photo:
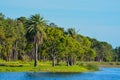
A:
[92, 67]
[117, 63]
[11, 65]
[111, 63]
[89, 66]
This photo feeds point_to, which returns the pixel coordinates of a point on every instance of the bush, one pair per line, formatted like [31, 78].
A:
[117, 63]
[92, 67]
[111, 63]
[2, 64]
[82, 64]
[89, 66]
[15, 65]
[11, 65]
[25, 58]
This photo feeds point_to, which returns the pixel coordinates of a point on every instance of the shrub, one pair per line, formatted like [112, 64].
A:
[2, 64]
[89, 66]
[117, 63]
[111, 63]
[92, 67]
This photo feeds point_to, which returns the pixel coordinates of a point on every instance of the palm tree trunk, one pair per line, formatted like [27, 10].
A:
[35, 56]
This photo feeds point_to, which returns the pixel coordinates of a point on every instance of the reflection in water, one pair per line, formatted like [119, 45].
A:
[50, 74]
[103, 74]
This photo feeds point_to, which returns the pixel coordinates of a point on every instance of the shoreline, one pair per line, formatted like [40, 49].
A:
[51, 70]
[110, 66]
[46, 67]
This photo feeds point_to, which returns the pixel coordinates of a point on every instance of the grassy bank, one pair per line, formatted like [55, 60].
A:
[43, 66]
[109, 64]
[103, 64]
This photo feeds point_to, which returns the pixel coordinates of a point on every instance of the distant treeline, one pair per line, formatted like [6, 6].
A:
[33, 38]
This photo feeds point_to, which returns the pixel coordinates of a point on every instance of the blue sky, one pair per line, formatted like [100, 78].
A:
[98, 19]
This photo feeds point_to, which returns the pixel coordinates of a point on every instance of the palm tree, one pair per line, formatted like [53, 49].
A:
[71, 32]
[35, 33]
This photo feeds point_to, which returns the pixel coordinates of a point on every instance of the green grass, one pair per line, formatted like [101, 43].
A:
[20, 66]
[42, 67]
[101, 64]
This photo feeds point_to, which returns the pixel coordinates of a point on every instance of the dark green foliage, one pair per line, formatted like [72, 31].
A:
[117, 63]
[89, 66]
[23, 39]
[92, 67]
[117, 54]
[104, 51]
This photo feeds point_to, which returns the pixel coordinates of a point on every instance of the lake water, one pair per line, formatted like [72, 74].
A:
[103, 74]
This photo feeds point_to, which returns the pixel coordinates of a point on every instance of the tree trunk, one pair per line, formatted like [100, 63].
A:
[58, 61]
[71, 61]
[7, 58]
[53, 61]
[44, 58]
[74, 61]
[116, 59]
[67, 61]
[39, 54]
[14, 56]
[35, 55]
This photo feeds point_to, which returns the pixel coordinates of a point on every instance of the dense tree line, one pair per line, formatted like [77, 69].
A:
[33, 38]
[117, 54]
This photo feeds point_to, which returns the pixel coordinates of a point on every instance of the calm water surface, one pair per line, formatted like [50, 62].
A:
[104, 74]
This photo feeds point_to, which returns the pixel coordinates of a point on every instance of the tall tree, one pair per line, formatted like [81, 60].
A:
[54, 43]
[35, 33]
[117, 54]
[72, 33]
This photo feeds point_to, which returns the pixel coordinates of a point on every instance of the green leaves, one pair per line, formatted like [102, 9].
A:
[34, 26]
[18, 38]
